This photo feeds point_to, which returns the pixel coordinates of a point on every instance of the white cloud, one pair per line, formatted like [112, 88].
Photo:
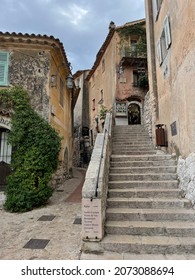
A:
[75, 14]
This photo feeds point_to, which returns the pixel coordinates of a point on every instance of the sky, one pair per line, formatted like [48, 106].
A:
[81, 25]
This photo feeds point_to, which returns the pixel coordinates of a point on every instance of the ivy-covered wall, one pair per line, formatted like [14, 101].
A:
[30, 69]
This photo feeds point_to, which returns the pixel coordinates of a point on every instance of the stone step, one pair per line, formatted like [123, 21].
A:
[144, 193]
[150, 228]
[156, 157]
[119, 214]
[135, 146]
[142, 177]
[126, 131]
[160, 184]
[143, 170]
[151, 203]
[142, 163]
[132, 132]
[148, 244]
[107, 255]
[152, 152]
[133, 149]
[126, 128]
[131, 138]
[132, 142]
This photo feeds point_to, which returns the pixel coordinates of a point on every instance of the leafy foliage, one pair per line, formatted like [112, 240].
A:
[103, 111]
[36, 147]
[138, 30]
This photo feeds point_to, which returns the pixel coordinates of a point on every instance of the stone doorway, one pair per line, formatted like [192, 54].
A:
[134, 114]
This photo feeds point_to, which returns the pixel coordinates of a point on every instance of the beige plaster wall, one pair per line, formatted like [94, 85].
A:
[175, 77]
[103, 80]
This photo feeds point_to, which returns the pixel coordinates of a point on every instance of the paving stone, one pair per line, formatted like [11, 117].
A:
[65, 237]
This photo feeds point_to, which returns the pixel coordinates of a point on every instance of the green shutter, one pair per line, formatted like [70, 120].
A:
[4, 56]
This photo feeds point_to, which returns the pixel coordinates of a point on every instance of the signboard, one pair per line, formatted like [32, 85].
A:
[121, 109]
[91, 219]
[173, 129]
[5, 122]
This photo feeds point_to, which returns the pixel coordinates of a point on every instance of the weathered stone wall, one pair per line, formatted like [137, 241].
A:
[147, 114]
[60, 175]
[76, 146]
[186, 176]
[30, 69]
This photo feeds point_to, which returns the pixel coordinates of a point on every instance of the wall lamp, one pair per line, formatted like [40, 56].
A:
[53, 81]
[70, 81]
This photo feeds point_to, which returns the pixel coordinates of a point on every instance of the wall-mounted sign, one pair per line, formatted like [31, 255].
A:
[91, 219]
[5, 122]
[121, 109]
[174, 129]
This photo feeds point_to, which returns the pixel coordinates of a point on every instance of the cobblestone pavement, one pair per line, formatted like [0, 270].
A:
[64, 236]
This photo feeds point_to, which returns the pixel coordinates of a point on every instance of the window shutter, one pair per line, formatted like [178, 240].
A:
[167, 32]
[159, 52]
[3, 68]
[155, 9]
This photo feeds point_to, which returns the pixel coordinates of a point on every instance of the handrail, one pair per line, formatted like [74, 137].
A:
[101, 157]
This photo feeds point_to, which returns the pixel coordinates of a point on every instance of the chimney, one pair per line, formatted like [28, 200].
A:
[112, 25]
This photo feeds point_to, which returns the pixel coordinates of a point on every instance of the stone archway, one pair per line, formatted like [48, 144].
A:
[134, 113]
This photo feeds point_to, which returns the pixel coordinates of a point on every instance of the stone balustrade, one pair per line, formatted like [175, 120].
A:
[94, 193]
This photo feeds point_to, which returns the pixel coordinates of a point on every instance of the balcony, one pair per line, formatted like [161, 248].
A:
[133, 57]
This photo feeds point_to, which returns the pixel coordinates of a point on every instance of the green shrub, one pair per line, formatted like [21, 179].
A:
[36, 146]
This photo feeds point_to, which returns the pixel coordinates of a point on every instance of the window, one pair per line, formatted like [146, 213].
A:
[164, 42]
[93, 104]
[156, 8]
[133, 45]
[135, 79]
[101, 97]
[103, 65]
[61, 93]
[4, 57]
[5, 147]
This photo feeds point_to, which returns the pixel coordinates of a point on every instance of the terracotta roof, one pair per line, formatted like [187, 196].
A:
[34, 39]
[106, 43]
[132, 23]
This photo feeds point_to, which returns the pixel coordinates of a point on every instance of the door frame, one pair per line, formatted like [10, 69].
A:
[140, 108]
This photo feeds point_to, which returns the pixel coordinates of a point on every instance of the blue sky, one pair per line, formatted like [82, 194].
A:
[81, 25]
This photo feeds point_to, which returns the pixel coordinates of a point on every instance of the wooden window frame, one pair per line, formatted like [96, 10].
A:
[164, 41]
[4, 61]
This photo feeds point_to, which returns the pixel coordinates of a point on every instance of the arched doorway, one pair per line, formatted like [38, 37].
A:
[134, 114]
[5, 157]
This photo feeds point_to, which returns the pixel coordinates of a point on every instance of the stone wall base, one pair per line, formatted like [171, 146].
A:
[186, 176]
[60, 175]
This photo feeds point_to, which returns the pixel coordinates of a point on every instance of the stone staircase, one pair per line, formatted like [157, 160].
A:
[146, 214]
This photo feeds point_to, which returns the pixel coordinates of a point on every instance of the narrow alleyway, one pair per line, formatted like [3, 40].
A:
[55, 228]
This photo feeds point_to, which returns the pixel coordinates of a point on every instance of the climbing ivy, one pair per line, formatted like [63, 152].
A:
[138, 29]
[35, 146]
[128, 30]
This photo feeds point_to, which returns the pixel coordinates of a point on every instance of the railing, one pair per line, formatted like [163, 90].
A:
[132, 52]
[94, 193]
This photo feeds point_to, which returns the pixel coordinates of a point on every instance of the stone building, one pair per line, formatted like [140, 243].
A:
[81, 154]
[38, 64]
[171, 60]
[118, 79]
